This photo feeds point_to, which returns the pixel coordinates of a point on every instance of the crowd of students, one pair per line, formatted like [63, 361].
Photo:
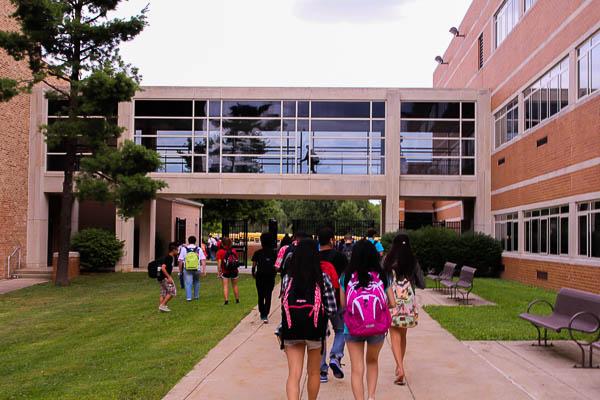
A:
[351, 286]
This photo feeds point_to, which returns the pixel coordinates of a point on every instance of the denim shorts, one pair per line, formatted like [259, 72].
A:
[369, 339]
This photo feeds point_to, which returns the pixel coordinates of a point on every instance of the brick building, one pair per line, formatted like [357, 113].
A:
[540, 59]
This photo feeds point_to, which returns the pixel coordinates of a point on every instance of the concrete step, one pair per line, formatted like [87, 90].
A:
[38, 273]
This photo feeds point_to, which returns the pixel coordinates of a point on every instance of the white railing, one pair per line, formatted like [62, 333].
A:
[16, 252]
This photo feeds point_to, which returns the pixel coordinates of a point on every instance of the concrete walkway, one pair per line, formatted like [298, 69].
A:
[248, 363]
[10, 285]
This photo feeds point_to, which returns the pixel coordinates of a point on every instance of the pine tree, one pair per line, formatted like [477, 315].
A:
[71, 47]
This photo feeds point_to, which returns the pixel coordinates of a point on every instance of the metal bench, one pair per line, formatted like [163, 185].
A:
[464, 285]
[446, 273]
[574, 310]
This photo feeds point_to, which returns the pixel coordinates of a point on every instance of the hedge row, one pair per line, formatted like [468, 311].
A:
[434, 246]
[97, 248]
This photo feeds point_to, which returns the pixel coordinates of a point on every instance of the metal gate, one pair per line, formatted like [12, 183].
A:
[237, 231]
[357, 228]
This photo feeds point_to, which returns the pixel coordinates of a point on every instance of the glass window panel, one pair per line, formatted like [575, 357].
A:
[378, 165]
[57, 107]
[429, 110]
[595, 69]
[554, 235]
[468, 166]
[429, 148]
[254, 165]
[251, 127]
[342, 147]
[468, 148]
[564, 209]
[163, 127]
[214, 108]
[341, 128]
[468, 129]
[340, 109]
[438, 166]
[432, 128]
[254, 146]
[516, 236]
[508, 236]
[583, 229]
[174, 163]
[163, 108]
[201, 108]
[289, 109]
[535, 235]
[544, 236]
[527, 236]
[289, 126]
[595, 234]
[468, 110]
[200, 163]
[564, 235]
[378, 109]
[255, 109]
[288, 165]
[303, 109]
[378, 129]
[342, 166]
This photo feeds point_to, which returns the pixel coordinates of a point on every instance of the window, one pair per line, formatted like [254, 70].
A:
[437, 138]
[271, 137]
[505, 19]
[529, 4]
[548, 95]
[547, 231]
[507, 231]
[506, 126]
[588, 220]
[480, 51]
[588, 66]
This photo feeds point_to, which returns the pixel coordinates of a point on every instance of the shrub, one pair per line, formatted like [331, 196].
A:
[434, 246]
[97, 248]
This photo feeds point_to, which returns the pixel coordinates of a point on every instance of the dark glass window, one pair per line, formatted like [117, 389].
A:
[468, 167]
[289, 109]
[163, 127]
[430, 110]
[256, 165]
[468, 110]
[595, 234]
[564, 235]
[554, 235]
[583, 235]
[527, 236]
[468, 148]
[214, 108]
[242, 108]
[468, 129]
[303, 109]
[251, 127]
[340, 128]
[535, 236]
[163, 108]
[57, 107]
[338, 109]
[378, 109]
[201, 108]
[434, 128]
[437, 166]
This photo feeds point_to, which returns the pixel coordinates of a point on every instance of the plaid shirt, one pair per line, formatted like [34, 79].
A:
[328, 297]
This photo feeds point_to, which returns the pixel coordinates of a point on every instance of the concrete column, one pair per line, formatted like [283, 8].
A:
[483, 201]
[75, 218]
[147, 225]
[36, 247]
[124, 232]
[391, 204]
[573, 84]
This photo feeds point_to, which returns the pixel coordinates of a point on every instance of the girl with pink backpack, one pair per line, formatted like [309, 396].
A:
[366, 295]
[405, 276]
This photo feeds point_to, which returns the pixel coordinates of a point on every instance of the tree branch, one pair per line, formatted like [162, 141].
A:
[59, 90]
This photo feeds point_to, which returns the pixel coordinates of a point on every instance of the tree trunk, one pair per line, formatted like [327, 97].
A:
[66, 208]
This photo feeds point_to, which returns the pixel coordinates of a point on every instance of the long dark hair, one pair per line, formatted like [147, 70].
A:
[400, 259]
[364, 259]
[305, 265]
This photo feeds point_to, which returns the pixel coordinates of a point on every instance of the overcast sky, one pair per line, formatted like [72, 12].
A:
[387, 43]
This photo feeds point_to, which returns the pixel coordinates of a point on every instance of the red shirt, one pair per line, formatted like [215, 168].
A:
[221, 253]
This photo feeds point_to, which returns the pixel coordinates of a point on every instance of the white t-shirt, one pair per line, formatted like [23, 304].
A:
[183, 252]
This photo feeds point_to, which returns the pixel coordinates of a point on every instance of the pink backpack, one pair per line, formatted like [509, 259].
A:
[367, 312]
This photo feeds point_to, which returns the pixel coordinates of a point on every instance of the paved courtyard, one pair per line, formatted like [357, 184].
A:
[248, 363]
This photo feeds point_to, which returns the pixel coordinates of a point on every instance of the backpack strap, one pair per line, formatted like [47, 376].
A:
[286, 306]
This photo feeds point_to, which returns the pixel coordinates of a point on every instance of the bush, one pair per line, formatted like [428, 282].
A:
[97, 248]
[434, 246]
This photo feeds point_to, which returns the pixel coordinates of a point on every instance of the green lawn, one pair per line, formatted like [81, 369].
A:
[103, 337]
[499, 322]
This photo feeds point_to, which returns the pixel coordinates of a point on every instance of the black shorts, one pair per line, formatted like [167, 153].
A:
[231, 274]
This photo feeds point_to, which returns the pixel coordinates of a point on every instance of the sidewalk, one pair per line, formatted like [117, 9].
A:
[248, 363]
[10, 285]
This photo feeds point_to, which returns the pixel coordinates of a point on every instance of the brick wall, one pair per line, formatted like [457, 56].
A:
[14, 154]
[559, 274]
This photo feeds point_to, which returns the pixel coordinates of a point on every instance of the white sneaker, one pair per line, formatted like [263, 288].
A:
[164, 309]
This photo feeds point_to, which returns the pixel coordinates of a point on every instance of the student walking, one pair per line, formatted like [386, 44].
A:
[329, 255]
[263, 271]
[167, 285]
[308, 299]
[371, 238]
[228, 266]
[190, 259]
[405, 274]
[366, 295]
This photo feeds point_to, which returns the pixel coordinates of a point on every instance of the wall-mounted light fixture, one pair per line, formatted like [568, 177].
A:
[440, 60]
[455, 32]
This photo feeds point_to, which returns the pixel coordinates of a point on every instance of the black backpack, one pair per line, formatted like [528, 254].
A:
[302, 314]
[346, 250]
[231, 262]
[154, 270]
[266, 263]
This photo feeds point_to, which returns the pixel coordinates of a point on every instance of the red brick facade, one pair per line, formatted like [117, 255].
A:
[14, 153]
[567, 165]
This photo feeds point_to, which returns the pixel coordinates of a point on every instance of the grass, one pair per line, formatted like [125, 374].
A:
[498, 322]
[103, 338]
